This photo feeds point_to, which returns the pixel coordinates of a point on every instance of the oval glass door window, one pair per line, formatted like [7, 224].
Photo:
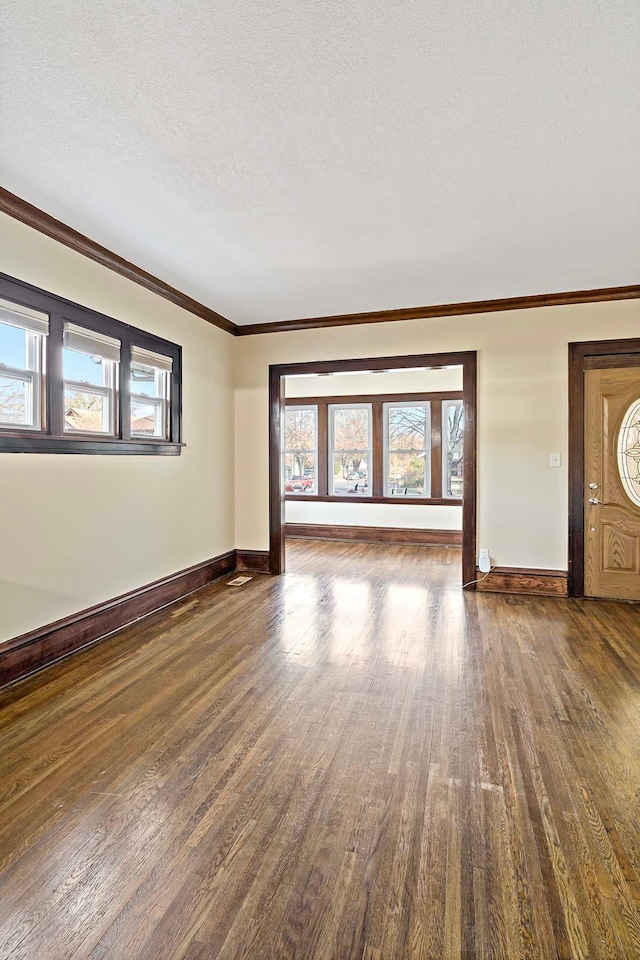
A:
[629, 452]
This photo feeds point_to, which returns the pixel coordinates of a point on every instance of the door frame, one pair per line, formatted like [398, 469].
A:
[582, 356]
[467, 359]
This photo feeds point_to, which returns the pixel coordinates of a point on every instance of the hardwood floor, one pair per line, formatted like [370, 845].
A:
[356, 760]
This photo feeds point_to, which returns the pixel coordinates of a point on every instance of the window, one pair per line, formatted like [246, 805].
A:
[75, 381]
[90, 364]
[300, 449]
[22, 335]
[407, 440]
[149, 394]
[453, 447]
[350, 448]
[629, 452]
[384, 448]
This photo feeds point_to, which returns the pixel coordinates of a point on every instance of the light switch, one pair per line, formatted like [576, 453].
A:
[554, 459]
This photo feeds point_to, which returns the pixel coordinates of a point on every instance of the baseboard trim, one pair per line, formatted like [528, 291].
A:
[40, 648]
[525, 580]
[394, 535]
[252, 561]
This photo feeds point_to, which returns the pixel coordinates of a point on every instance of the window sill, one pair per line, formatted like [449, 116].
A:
[359, 498]
[87, 444]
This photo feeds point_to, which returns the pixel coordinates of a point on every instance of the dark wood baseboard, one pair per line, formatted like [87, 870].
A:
[398, 535]
[39, 648]
[252, 561]
[524, 580]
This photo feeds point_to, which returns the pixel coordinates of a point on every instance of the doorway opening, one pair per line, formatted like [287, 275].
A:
[370, 439]
[604, 469]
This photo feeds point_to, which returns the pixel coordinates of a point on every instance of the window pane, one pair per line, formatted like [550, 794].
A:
[149, 385]
[407, 474]
[299, 472]
[84, 340]
[14, 400]
[85, 411]
[89, 357]
[13, 347]
[150, 377]
[148, 419]
[147, 381]
[300, 429]
[83, 368]
[407, 428]
[351, 474]
[629, 452]
[147, 358]
[453, 429]
[26, 318]
[351, 428]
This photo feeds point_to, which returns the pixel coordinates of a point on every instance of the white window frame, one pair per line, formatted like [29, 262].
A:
[32, 375]
[83, 338]
[160, 406]
[331, 450]
[286, 449]
[107, 392]
[425, 451]
[32, 401]
[446, 404]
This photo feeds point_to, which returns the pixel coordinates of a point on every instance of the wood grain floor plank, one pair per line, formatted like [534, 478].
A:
[355, 761]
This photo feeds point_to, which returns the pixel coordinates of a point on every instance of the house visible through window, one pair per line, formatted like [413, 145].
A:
[90, 365]
[453, 447]
[22, 335]
[300, 449]
[387, 448]
[350, 448]
[407, 441]
[149, 393]
[75, 381]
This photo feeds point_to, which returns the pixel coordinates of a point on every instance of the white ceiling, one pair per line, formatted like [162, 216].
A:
[292, 158]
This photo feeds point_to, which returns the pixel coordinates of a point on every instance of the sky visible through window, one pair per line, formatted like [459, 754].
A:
[80, 366]
[12, 346]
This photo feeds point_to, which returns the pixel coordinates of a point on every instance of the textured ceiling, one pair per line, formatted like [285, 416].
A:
[293, 158]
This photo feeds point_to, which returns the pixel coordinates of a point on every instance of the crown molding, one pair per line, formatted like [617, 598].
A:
[21, 210]
[631, 292]
[27, 213]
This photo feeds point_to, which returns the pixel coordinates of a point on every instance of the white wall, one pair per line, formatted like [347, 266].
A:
[77, 530]
[361, 514]
[415, 517]
[349, 385]
[522, 403]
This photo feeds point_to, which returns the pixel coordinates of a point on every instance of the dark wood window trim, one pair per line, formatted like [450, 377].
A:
[467, 359]
[377, 401]
[586, 356]
[401, 501]
[52, 438]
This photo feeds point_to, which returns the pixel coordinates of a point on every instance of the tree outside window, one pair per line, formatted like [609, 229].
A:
[350, 456]
[300, 450]
[407, 445]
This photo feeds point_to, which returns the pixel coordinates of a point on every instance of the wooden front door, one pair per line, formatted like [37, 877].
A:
[612, 481]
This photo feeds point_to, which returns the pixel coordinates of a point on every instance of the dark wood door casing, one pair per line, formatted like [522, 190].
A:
[585, 356]
[277, 373]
